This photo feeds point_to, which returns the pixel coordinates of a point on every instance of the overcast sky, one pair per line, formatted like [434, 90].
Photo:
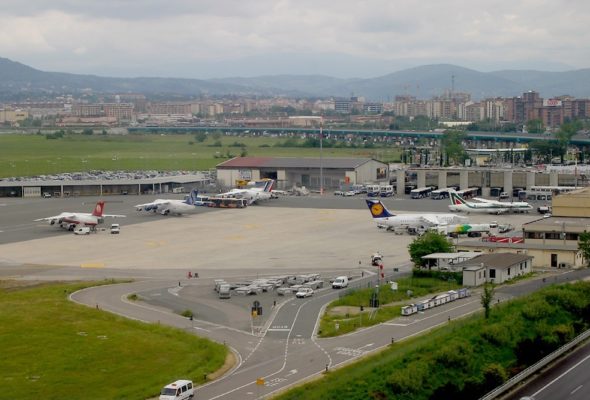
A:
[343, 38]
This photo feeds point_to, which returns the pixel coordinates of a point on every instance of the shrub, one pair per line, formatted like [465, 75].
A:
[409, 379]
[187, 313]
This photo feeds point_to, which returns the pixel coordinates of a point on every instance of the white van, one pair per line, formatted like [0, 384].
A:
[115, 229]
[178, 390]
[340, 282]
[82, 230]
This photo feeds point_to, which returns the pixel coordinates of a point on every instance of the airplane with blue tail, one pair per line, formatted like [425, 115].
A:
[386, 219]
[173, 206]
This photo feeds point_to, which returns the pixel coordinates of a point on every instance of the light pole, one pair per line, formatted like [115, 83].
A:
[321, 160]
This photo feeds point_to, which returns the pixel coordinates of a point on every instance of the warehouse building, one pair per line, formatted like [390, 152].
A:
[289, 172]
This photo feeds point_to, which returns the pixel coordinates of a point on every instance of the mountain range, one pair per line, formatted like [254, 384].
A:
[19, 81]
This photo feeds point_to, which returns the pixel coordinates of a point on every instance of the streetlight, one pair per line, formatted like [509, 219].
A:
[321, 160]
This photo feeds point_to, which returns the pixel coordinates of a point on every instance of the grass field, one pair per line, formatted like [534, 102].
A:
[55, 349]
[29, 155]
[354, 319]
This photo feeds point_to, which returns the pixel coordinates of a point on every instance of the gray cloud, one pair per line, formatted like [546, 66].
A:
[194, 38]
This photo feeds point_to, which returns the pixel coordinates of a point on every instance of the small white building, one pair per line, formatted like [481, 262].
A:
[474, 276]
[496, 268]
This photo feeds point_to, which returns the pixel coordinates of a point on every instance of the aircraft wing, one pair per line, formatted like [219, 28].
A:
[430, 219]
[57, 217]
[114, 216]
[482, 200]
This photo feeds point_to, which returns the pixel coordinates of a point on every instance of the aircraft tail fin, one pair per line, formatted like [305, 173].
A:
[98, 209]
[268, 185]
[378, 210]
[456, 198]
[192, 198]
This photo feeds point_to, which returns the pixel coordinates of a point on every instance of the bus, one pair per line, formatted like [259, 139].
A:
[468, 193]
[543, 193]
[227, 202]
[373, 190]
[440, 194]
[421, 192]
[387, 191]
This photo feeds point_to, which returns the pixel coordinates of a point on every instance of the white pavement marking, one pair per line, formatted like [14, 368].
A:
[561, 376]
[576, 389]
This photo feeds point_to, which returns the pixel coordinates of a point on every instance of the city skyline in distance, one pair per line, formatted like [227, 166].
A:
[210, 39]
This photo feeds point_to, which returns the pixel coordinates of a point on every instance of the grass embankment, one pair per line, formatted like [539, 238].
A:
[55, 349]
[28, 155]
[345, 313]
[466, 358]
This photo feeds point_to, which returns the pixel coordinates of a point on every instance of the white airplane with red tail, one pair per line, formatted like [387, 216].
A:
[69, 220]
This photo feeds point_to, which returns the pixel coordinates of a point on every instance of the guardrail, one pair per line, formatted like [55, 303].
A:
[510, 383]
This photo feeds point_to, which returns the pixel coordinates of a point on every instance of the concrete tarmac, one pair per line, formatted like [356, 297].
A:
[287, 234]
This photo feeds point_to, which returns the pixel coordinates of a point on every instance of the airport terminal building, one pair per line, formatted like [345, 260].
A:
[291, 171]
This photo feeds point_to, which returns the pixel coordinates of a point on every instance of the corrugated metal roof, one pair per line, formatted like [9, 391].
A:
[496, 260]
[556, 223]
[295, 162]
[244, 162]
[478, 244]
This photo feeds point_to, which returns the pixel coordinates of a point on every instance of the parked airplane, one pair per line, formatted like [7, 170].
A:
[515, 206]
[461, 205]
[172, 206]
[68, 220]
[386, 219]
[255, 191]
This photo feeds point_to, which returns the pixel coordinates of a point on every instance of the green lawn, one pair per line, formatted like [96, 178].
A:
[463, 359]
[332, 324]
[55, 349]
[27, 155]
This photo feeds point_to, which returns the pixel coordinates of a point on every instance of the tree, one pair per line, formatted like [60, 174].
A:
[452, 145]
[584, 245]
[535, 126]
[486, 298]
[545, 150]
[200, 137]
[87, 131]
[430, 242]
[565, 134]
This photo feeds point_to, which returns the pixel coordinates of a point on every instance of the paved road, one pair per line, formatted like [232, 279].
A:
[567, 379]
[286, 351]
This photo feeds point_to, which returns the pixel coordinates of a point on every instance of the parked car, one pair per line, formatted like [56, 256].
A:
[350, 193]
[504, 195]
[338, 193]
[304, 292]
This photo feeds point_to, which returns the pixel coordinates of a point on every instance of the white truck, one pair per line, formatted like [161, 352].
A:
[340, 282]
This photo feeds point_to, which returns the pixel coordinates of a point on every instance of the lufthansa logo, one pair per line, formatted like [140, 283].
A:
[376, 209]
